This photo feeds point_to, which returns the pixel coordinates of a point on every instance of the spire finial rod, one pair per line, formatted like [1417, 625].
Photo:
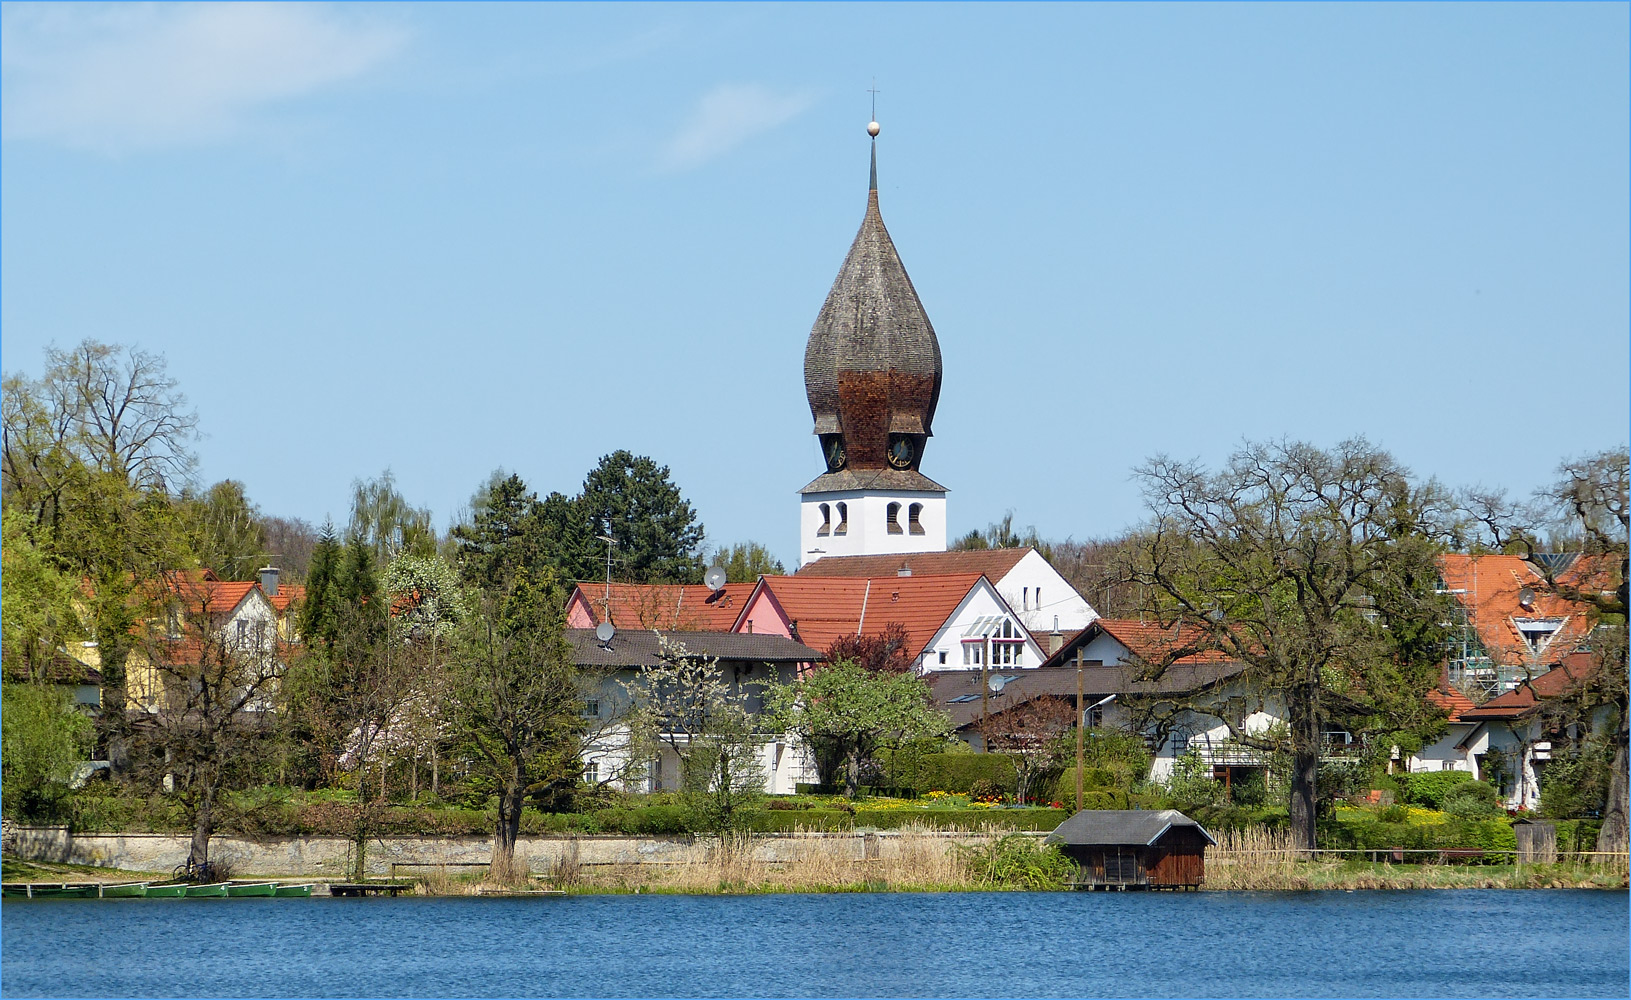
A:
[872, 129]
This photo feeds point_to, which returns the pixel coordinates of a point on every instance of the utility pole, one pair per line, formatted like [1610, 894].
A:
[1080, 730]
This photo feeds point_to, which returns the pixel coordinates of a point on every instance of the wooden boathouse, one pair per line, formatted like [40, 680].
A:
[1134, 849]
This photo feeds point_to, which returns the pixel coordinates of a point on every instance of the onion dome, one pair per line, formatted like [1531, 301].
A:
[872, 365]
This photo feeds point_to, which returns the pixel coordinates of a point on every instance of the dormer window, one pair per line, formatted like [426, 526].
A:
[826, 520]
[893, 515]
[1537, 632]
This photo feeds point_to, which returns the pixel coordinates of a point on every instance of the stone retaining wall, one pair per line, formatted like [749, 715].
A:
[331, 856]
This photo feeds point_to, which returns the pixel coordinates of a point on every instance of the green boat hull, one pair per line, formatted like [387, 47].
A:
[128, 890]
[215, 889]
[175, 891]
[293, 890]
[252, 889]
[54, 891]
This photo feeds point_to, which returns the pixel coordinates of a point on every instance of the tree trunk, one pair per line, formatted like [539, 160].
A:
[1611, 836]
[508, 828]
[852, 775]
[198, 855]
[435, 775]
[1305, 765]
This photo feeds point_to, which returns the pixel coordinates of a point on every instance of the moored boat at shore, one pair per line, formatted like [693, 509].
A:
[290, 891]
[251, 888]
[124, 890]
[213, 889]
[172, 890]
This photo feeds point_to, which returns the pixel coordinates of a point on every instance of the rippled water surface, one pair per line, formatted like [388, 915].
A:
[1475, 943]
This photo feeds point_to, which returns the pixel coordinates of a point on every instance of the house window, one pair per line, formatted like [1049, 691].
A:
[243, 633]
[1025, 599]
[893, 515]
[973, 653]
[843, 519]
[591, 708]
[591, 772]
[1038, 596]
[1007, 645]
[826, 521]
[914, 519]
[1446, 765]
[942, 656]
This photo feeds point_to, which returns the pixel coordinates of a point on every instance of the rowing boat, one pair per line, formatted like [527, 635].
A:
[212, 889]
[251, 888]
[174, 890]
[125, 890]
[293, 890]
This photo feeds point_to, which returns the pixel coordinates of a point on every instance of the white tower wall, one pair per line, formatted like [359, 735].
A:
[867, 525]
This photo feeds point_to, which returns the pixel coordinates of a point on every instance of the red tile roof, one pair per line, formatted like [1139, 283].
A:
[824, 608]
[1528, 695]
[287, 594]
[675, 607]
[1149, 641]
[1454, 703]
[994, 563]
[1491, 587]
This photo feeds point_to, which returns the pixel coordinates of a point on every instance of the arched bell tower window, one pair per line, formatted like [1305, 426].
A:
[894, 519]
[843, 519]
[826, 520]
[914, 519]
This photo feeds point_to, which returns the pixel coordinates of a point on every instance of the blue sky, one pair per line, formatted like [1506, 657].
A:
[442, 239]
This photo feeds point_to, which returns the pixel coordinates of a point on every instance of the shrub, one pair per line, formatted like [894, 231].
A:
[1017, 862]
[1472, 800]
[1428, 788]
[1191, 785]
[1253, 790]
[1394, 814]
[985, 790]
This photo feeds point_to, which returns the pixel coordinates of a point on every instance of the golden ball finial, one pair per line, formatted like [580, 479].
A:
[873, 128]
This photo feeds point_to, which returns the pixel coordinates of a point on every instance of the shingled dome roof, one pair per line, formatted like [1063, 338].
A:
[872, 365]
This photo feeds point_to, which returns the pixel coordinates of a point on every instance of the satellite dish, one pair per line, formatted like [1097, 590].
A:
[714, 578]
[1526, 597]
[604, 631]
[998, 683]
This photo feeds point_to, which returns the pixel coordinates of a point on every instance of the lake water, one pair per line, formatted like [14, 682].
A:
[1474, 943]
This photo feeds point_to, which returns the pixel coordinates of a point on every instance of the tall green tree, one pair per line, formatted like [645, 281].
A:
[745, 562]
[383, 520]
[36, 601]
[632, 498]
[224, 530]
[45, 737]
[515, 704]
[1316, 571]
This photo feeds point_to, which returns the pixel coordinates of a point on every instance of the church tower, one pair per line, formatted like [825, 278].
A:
[872, 374]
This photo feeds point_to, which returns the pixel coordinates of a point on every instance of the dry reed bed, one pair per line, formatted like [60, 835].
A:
[1262, 859]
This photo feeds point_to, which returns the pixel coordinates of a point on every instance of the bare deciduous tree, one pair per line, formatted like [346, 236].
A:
[1316, 571]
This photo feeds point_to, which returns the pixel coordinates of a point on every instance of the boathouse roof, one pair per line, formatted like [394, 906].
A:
[1122, 827]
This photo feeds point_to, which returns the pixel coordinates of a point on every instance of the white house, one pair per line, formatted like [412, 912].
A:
[954, 621]
[747, 662]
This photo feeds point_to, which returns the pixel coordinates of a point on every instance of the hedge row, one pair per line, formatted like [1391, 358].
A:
[1455, 834]
[955, 772]
[334, 819]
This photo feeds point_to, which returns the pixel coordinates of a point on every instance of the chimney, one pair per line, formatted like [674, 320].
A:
[1055, 640]
[904, 570]
[269, 580]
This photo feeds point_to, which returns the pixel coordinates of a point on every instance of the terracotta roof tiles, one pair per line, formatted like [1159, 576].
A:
[824, 608]
[676, 607]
